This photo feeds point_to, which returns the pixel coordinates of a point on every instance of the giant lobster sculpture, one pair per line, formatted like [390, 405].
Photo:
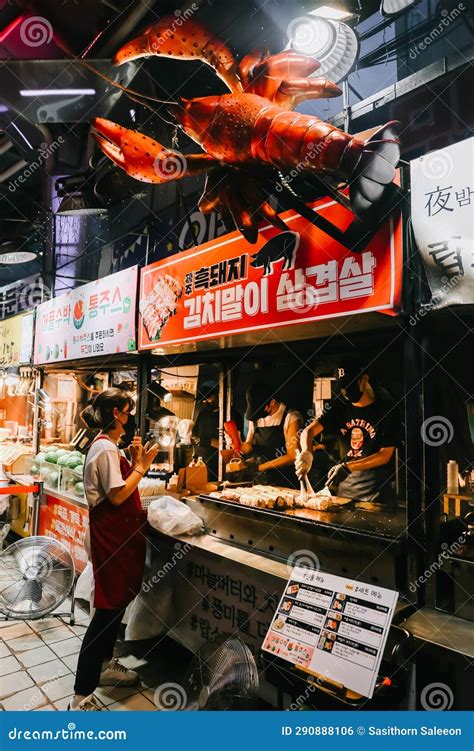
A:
[248, 131]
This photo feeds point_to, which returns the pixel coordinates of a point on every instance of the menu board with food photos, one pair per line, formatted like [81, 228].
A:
[333, 627]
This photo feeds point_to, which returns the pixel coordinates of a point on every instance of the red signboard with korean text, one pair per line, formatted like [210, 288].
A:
[228, 286]
[67, 523]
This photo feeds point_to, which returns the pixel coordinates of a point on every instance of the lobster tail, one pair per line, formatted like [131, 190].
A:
[375, 169]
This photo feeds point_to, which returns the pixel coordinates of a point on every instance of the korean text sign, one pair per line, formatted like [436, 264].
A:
[95, 319]
[16, 340]
[67, 523]
[228, 286]
[442, 201]
[333, 627]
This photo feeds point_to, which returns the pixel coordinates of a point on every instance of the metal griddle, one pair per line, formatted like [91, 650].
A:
[362, 545]
[344, 516]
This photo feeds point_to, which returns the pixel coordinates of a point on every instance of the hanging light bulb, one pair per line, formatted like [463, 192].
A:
[12, 376]
[394, 7]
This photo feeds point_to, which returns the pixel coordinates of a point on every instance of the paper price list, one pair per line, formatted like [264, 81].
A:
[345, 624]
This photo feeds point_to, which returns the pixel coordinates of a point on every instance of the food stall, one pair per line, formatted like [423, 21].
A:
[284, 313]
[84, 342]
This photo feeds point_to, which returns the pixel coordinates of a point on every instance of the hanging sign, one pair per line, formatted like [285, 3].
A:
[92, 320]
[228, 286]
[333, 627]
[442, 200]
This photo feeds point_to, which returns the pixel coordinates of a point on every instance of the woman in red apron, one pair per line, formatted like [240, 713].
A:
[118, 547]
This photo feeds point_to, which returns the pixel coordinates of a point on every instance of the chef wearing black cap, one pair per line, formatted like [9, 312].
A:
[272, 438]
[367, 428]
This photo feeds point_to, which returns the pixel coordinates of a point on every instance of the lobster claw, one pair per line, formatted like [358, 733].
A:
[142, 157]
[183, 38]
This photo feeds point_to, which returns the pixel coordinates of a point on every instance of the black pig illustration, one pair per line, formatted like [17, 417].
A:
[281, 246]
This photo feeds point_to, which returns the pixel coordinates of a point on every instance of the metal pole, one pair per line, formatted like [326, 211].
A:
[345, 105]
[36, 509]
[37, 421]
[143, 379]
[220, 474]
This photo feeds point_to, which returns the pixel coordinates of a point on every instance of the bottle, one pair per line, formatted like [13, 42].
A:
[452, 477]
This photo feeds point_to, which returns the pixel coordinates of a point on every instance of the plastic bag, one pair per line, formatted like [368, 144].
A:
[148, 614]
[85, 587]
[173, 517]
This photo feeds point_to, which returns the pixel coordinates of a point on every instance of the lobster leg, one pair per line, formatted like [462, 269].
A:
[239, 200]
[183, 39]
[283, 78]
[143, 158]
[291, 93]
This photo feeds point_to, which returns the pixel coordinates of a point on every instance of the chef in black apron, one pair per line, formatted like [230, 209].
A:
[367, 427]
[273, 437]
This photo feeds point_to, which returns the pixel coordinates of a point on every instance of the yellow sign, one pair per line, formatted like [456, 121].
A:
[16, 340]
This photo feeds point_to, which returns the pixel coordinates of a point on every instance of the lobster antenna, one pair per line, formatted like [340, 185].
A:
[119, 85]
[152, 109]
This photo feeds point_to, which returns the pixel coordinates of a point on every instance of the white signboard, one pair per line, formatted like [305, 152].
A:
[334, 627]
[442, 203]
[95, 319]
[26, 338]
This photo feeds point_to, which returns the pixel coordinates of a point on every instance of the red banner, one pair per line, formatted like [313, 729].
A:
[228, 286]
[67, 523]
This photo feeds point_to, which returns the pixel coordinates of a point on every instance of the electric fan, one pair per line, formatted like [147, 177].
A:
[36, 576]
[223, 675]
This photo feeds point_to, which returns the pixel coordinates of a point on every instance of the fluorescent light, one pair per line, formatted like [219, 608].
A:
[334, 14]
[3, 108]
[21, 134]
[17, 256]
[57, 92]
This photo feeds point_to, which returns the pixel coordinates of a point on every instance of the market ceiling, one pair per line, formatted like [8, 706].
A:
[46, 95]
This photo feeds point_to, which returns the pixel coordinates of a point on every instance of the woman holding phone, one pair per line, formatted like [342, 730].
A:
[117, 542]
